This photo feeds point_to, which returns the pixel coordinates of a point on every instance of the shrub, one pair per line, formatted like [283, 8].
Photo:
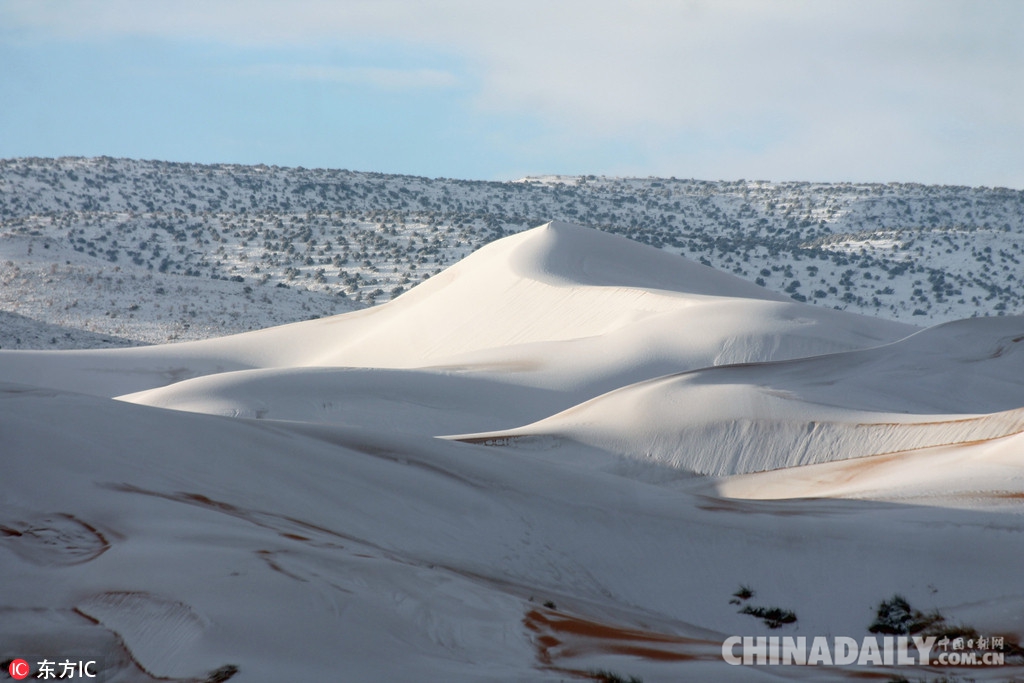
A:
[744, 593]
[773, 617]
[896, 617]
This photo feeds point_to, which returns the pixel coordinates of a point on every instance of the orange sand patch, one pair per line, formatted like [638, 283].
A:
[560, 637]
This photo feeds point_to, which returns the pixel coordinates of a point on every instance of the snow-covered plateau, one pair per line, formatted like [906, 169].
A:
[553, 453]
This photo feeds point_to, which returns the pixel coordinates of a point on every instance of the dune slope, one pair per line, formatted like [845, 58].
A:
[952, 384]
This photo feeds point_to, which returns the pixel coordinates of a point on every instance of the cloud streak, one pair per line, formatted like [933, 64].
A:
[377, 77]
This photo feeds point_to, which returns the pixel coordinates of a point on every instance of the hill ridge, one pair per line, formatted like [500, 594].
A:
[246, 247]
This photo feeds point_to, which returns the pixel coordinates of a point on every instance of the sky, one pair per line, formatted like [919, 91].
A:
[927, 91]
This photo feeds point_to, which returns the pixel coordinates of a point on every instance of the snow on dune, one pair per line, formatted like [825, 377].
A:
[555, 373]
[565, 254]
[535, 300]
[956, 383]
[556, 316]
[278, 548]
[968, 366]
[310, 526]
[738, 430]
[559, 307]
[988, 473]
[417, 401]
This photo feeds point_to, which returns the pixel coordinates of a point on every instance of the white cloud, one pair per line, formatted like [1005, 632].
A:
[871, 85]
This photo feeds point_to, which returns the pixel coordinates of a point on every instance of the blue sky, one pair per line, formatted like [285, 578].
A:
[866, 90]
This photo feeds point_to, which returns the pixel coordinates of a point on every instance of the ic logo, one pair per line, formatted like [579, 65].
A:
[19, 669]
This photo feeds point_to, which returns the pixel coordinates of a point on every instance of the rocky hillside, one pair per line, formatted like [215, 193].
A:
[112, 251]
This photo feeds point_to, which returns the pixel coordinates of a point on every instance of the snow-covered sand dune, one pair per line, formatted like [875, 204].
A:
[612, 313]
[276, 505]
[954, 384]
